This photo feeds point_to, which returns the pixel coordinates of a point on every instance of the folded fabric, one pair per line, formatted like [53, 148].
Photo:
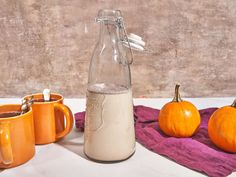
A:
[197, 152]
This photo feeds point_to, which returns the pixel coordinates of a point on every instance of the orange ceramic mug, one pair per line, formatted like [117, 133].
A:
[17, 143]
[49, 124]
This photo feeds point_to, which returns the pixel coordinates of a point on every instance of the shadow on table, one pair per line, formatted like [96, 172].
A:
[74, 142]
[1, 170]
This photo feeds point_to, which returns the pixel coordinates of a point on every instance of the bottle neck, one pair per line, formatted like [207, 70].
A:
[109, 33]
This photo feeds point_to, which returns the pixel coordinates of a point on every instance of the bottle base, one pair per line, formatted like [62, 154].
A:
[108, 161]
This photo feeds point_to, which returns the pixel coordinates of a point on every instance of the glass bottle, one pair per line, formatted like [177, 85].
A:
[109, 122]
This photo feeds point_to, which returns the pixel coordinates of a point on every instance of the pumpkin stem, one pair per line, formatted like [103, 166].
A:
[177, 95]
[234, 104]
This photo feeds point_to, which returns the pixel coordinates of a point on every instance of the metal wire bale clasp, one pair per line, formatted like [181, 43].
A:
[120, 24]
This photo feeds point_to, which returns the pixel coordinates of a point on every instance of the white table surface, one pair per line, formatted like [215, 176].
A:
[66, 158]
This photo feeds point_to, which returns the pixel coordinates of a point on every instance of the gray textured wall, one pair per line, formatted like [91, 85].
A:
[48, 43]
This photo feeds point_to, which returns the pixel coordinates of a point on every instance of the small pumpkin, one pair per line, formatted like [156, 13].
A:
[222, 128]
[179, 118]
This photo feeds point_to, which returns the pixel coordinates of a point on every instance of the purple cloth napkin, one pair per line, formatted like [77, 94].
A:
[197, 152]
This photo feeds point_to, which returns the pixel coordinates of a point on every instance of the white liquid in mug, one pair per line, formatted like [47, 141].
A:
[109, 125]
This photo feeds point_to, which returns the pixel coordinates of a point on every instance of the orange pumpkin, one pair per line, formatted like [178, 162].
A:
[222, 128]
[179, 118]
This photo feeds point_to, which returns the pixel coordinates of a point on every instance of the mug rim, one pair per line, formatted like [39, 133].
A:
[15, 117]
[48, 102]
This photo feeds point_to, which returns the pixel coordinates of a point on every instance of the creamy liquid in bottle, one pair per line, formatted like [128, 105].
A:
[109, 124]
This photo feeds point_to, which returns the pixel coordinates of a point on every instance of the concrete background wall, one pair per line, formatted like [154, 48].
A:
[48, 43]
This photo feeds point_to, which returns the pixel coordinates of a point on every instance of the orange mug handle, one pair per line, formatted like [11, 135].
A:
[69, 119]
[5, 144]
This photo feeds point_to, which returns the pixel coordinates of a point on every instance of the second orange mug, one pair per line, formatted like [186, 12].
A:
[49, 124]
